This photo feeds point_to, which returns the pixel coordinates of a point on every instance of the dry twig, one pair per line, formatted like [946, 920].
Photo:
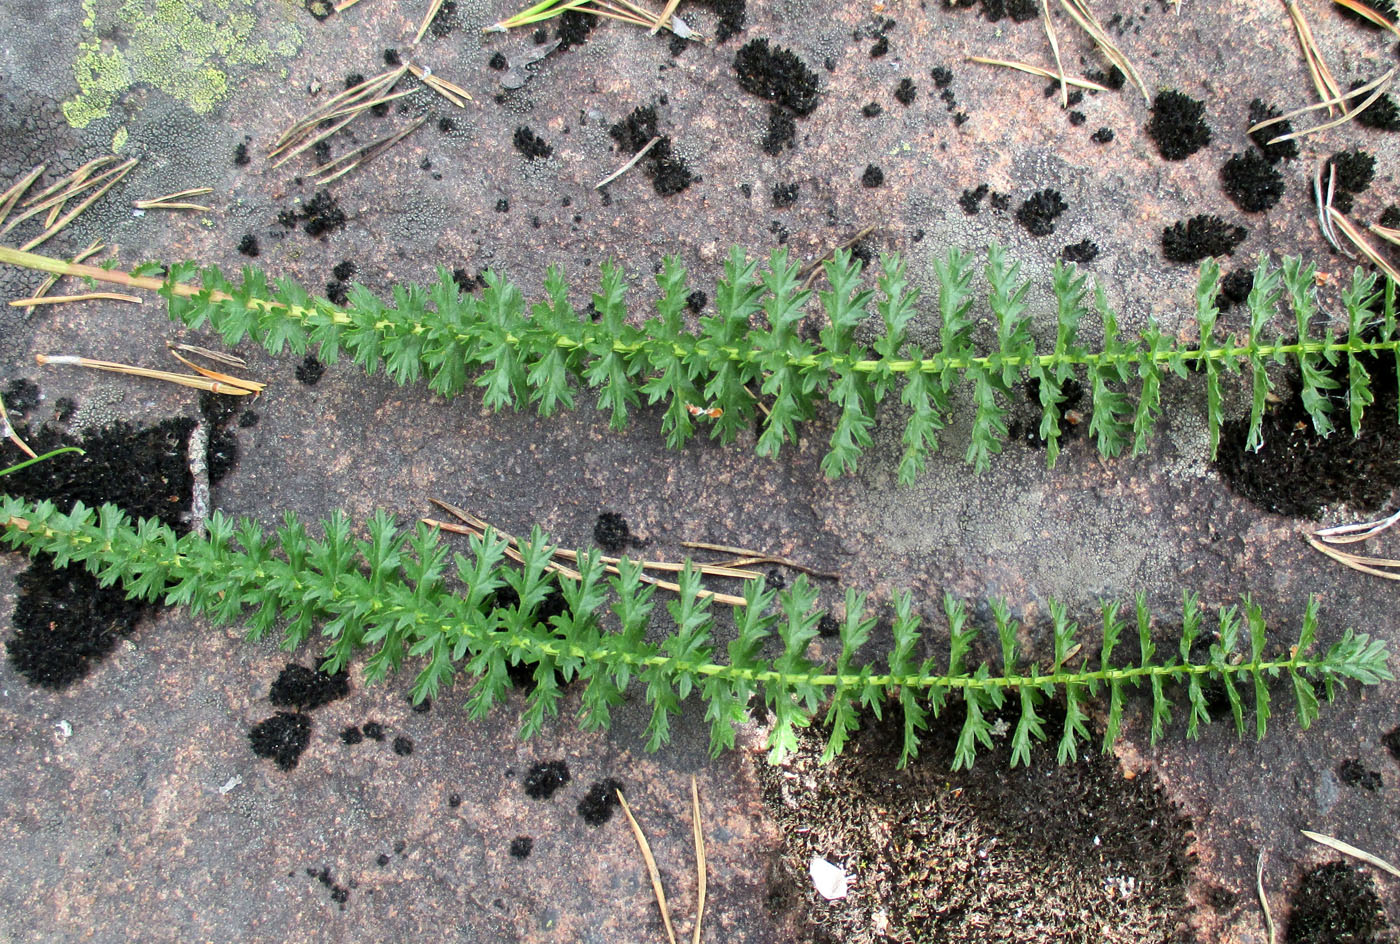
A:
[1326, 85]
[173, 201]
[92, 249]
[629, 165]
[1346, 848]
[757, 557]
[651, 868]
[814, 268]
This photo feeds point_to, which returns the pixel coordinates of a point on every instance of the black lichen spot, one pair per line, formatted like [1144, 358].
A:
[336, 293]
[465, 282]
[828, 627]
[521, 846]
[454, 800]
[530, 144]
[1081, 253]
[696, 301]
[880, 47]
[1102, 136]
[544, 778]
[282, 737]
[1251, 182]
[1038, 212]
[574, 27]
[942, 76]
[1112, 79]
[1200, 237]
[421, 707]
[597, 806]
[1077, 118]
[248, 245]
[391, 58]
[21, 397]
[971, 200]
[498, 62]
[610, 532]
[1178, 125]
[503, 205]
[247, 419]
[872, 110]
[873, 176]
[339, 893]
[774, 579]
[344, 270]
[310, 369]
[321, 152]
[784, 195]
[1355, 170]
[668, 172]
[777, 75]
[373, 730]
[382, 859]
[781, 131]
[300, 687]
[1335, 904]
[1353, 773]
[240, 155]
[1285, 150]
[403, 746]
[351, 735]
[906, 92]
[354, 80]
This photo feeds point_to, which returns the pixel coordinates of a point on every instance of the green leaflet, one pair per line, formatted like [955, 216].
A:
[768, 352]
[398, 598]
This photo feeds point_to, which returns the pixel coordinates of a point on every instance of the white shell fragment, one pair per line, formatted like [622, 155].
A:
[829, 880]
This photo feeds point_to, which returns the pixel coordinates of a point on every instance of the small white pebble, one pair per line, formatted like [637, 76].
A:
[829, 880]
[64, 729]
[230, 783]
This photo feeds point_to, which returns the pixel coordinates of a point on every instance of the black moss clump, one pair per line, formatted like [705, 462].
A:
[781, 131]
[784, 195]
[248, 245]
[732, 15]
[339, 893]
[1385, 8]
[696, 301]
[1200, 237]
[574, 27]
[354, 80]
[21, 397]
[403, 746]
[1355, 171]
[282, 737]
[65, 623]
[1077, 118]
[322, 215]
[498, 62]
[1251, 182]
[1038, 213]
[872, 110]
[465, 281]
[1021, 10]
[1353, 773]
[321, 152]
[1382, 114]
[544, 778]
[310, 369]
[1102, 136]
[344, 270]
[906, 92]
[880, 47]
[445, 20]
[521, 847]
[1297, 472]
[1234, 289]
[247, 419]
[302, 688]
[240, 155]
[942, 76]
[503, 205]
[828, 627]
[873, 176]
[352, 735]
[1391, 742]
[610, 532]
[1390, 217]
[530, 144]
[777, 75]
[1081, 253]
[373, 730]
[1178, 125]
[391, 58]
[337, 292]
[971, 200]
[1284, 150]
[1335, 904]
[597, 806]
[668, 172]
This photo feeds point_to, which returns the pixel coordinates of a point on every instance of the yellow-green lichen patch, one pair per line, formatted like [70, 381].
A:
[181, 47]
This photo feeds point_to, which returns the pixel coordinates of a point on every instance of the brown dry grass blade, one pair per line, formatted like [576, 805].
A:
[174, 201]
[1323, 82]
[758, 557]
[1358, 562]
[10, 197]
[364, 154]
[1366, 13]
[700, 865]
[1346, 848]
[72, 214]
[433, 9]
[1270, 935]
[451, 91]
[11, 435]
[1039, 71]
[184, 380]
[629, 165]
[651, 868]
[1055, 50]
[1079, 12]
[1351, 232]
[253, 385]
